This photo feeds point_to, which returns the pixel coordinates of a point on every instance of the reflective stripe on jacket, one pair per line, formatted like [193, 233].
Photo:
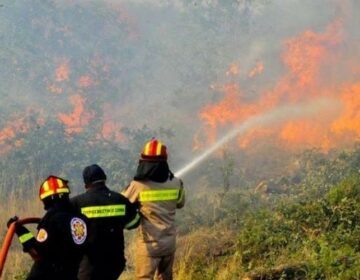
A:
[108, 213]
[158, 203]
[59, 243]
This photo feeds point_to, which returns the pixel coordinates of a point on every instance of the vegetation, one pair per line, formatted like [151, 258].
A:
[307, 230]
[304, 230]
[71, 70]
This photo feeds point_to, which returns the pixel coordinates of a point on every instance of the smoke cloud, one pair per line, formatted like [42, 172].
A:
[199, 68]
[275, 117]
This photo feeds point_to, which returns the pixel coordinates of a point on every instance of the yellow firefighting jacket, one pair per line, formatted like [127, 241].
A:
[156, 235]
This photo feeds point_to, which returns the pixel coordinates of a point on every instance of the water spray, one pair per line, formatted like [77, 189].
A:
[280, 114]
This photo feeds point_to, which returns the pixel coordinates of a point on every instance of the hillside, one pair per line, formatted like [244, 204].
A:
[270, 87]
[301, 226]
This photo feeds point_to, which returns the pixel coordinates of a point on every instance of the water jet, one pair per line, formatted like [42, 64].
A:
[278, 115]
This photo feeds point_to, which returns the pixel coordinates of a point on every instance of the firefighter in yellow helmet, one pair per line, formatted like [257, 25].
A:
[159, 194]
[59, 244]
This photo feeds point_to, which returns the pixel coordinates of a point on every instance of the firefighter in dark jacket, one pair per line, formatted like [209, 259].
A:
[59, 244]
[108, 214]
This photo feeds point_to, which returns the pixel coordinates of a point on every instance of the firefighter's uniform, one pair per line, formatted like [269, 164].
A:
[156, 236]
[62, 232]
[108, 214]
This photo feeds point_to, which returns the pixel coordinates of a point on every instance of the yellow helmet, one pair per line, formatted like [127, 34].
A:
[154, 150]
[53, 185]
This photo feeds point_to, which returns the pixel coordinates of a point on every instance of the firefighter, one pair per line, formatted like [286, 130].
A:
[108, 214]
[59, 244]
[159, 194]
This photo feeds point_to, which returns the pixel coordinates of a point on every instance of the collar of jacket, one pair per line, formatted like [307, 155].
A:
[97, 187]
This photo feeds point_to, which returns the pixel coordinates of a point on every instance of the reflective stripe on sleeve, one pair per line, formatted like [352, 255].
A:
[25, 237]
[159, 195]
[104, 211]
[181, 195]
[133, 222]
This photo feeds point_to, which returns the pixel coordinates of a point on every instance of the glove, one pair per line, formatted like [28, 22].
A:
[11, 220]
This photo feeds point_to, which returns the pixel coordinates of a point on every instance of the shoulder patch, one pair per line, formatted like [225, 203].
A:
[78, 230]
[42, 235]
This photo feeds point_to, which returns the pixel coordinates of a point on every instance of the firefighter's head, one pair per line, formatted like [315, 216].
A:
[53, 190]
[154, 150]
[153, 163]
[93, 174]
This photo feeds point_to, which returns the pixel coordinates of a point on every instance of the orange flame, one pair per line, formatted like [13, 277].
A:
[233, 70]
[307, 57]
[54, 89]
[306, 53]
[9, 133]
[349, 121]
[79, 118]
[259, 68]
[62, 72]
[111, 130]
[85, 81]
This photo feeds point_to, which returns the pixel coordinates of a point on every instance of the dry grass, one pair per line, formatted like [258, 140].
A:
[129, 273]
[205, 246]
[200, 253]
[17, 262]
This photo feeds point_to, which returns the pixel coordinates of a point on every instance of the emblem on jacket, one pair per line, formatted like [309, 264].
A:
[42, 235]
[78, 230]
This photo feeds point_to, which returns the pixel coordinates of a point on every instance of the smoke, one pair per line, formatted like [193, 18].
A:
[197, 67]
[274, 117]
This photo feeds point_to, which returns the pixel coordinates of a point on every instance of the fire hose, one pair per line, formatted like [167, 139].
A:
[9, 236]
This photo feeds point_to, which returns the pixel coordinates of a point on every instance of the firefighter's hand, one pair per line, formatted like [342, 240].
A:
[11, 220]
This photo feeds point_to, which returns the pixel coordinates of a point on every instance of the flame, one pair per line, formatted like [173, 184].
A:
[306, 53]
[349, 121]
[85, 81]
[233, 70]
[305, 134]
[54, 89]
[78, 119]
[254, 134]
[12, 128]
[111, 130]
[259, 68]
[306, 58]
[10, 132]
[62, 72]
